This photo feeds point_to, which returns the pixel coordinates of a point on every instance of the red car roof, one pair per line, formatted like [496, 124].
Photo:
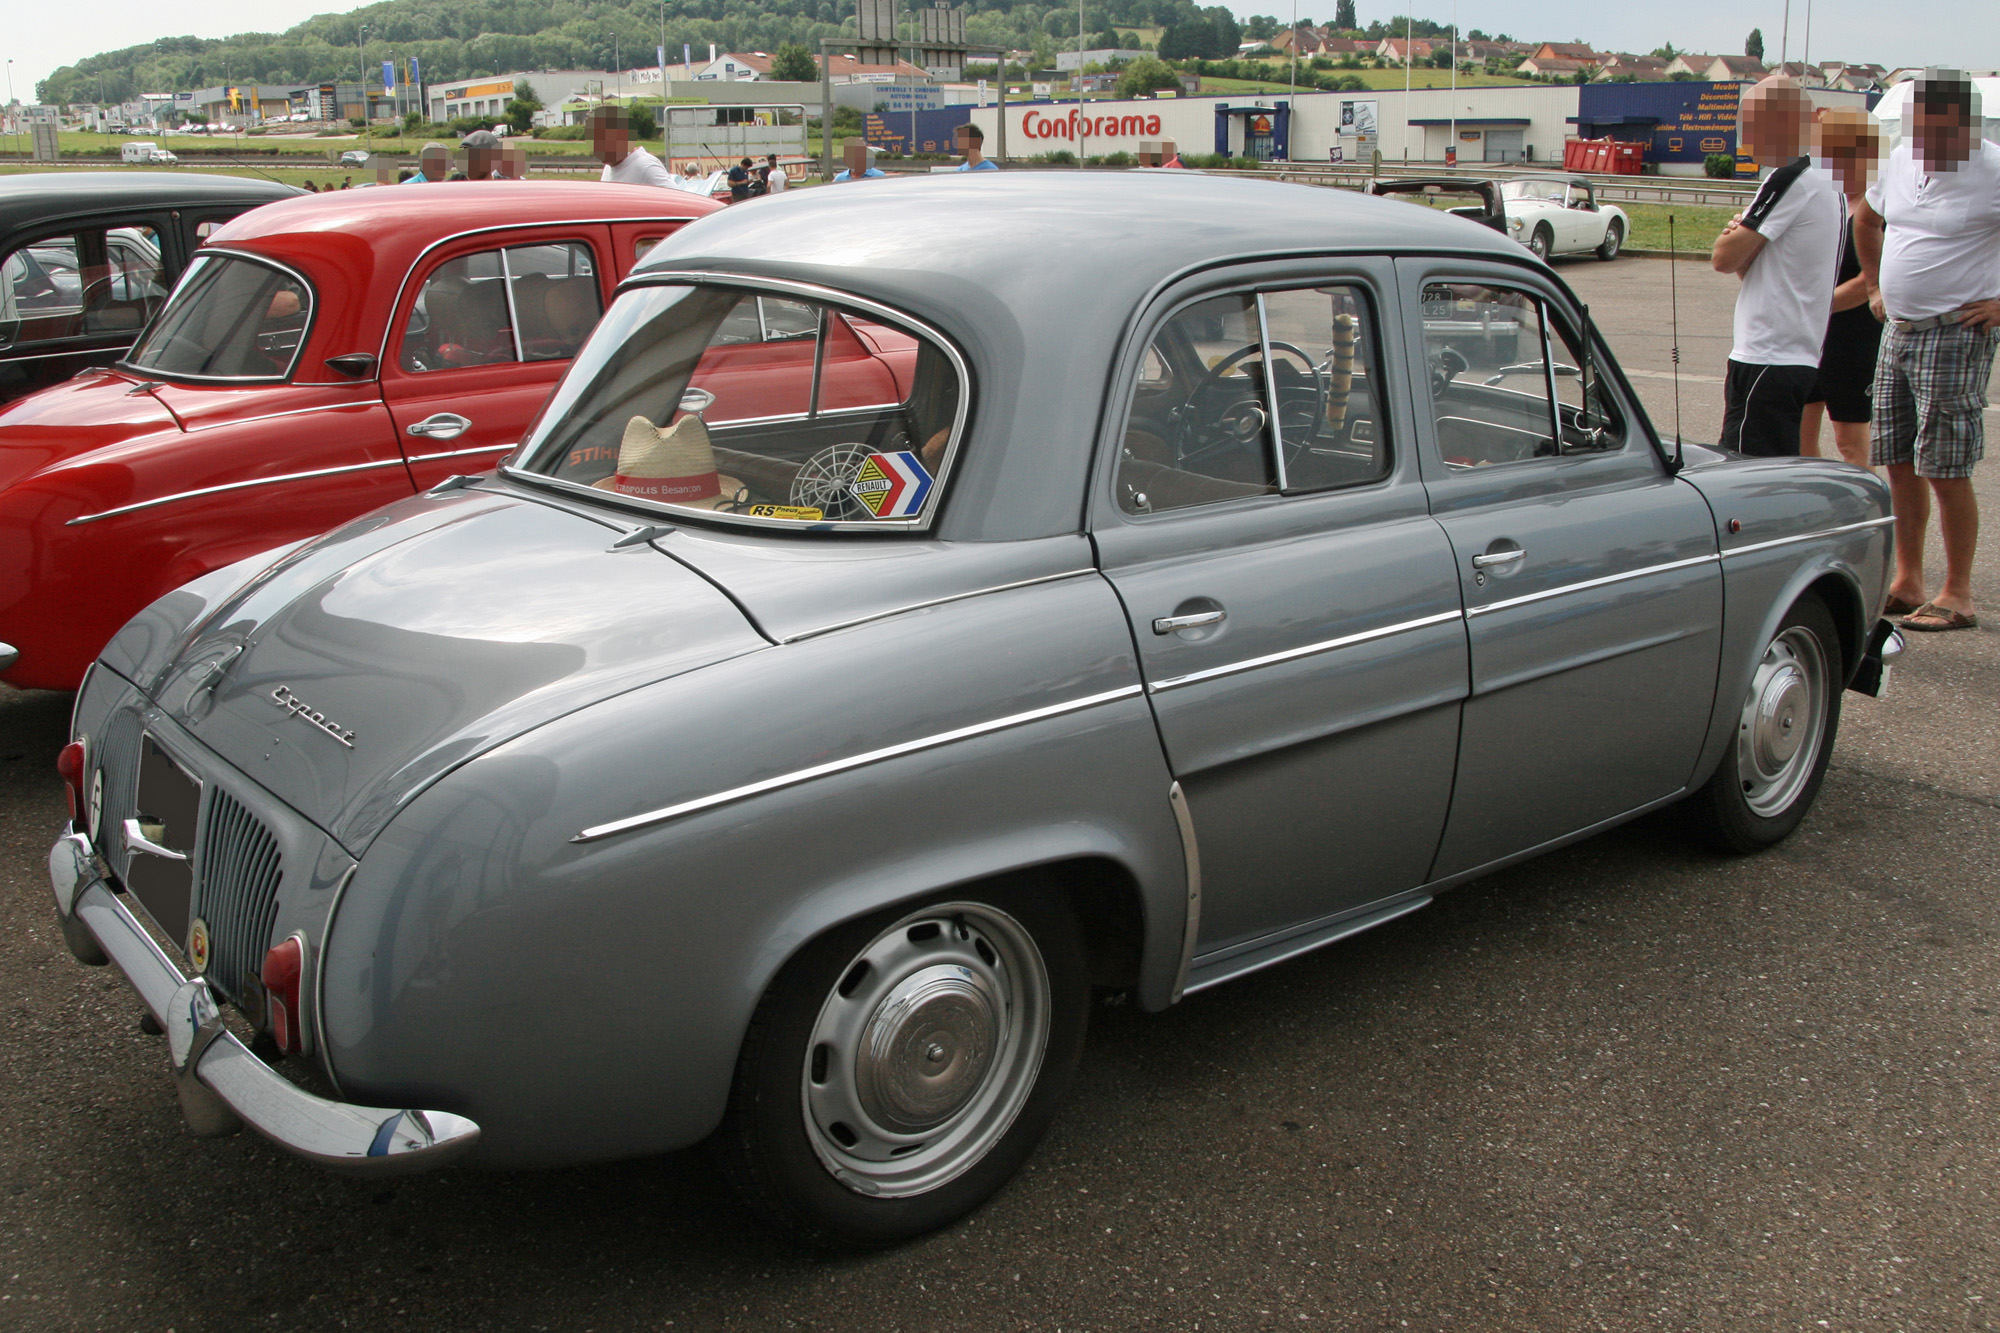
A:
[356, 246]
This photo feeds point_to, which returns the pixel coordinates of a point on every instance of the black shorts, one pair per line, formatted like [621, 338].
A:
[1762, 407]
[1846, 379]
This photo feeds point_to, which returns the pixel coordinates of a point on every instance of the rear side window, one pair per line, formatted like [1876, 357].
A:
[523, 303]
[77, 284]
[1255, 394]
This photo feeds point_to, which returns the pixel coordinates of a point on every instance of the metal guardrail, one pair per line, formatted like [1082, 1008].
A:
[1691, 190]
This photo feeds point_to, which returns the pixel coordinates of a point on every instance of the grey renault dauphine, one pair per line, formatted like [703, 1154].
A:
[920, 603]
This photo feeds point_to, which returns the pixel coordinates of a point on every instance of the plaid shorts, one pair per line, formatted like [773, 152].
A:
[1930, 396]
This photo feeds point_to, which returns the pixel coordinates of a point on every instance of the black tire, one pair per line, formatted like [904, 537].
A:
[1614, 236]
[1755, 799]
[773, 1144]
[1541, 242]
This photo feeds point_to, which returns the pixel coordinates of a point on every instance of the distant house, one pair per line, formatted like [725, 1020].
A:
[1398, 51]
[1553, 67]
[1646, 69]
[1809, 76]
[1577, 51]
[1854, 78]
[1305, 39]
[1734, 69]
[1690, 64]
[1345, 46]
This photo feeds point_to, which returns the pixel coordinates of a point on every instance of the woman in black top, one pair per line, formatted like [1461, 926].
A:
[1849, 145]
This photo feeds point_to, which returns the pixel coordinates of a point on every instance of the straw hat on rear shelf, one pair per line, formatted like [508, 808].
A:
[673, 466]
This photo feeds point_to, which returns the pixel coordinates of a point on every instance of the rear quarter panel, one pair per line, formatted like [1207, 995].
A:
[1799, 526]
[587, 1000]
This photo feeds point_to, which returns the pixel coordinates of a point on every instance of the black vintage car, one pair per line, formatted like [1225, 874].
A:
[1480, 198]
[87, 257]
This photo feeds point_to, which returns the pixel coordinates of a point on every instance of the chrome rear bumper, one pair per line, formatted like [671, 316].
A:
[222, 1085]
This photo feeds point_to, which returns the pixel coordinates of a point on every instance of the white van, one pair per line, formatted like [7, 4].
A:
[146, 155]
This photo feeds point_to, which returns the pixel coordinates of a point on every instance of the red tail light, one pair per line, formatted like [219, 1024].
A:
[69, 763]
[283, 967]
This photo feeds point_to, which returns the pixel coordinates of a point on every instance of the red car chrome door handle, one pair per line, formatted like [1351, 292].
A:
[443, 426]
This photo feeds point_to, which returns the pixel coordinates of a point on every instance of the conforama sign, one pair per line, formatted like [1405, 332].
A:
[1039, 124]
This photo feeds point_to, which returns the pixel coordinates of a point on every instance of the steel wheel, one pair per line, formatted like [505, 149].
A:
[926, 1050]
[1540, 242]
[1614, 236]
[1783, 725]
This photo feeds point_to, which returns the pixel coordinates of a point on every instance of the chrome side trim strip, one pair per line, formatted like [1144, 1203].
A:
[938, 601]
[793, 779]
[1809, 536]
[1191, 927]
[1587, 584]
[232, 486]
[461, 453]
[1325, 646]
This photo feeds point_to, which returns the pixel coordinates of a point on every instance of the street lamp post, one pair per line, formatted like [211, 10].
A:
[13, 110]
[361, 71]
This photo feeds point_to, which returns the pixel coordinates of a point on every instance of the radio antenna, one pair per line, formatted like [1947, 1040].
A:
[1674, 305]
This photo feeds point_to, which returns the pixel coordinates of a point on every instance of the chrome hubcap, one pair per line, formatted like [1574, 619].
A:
[926, 1050]
[1783, 725]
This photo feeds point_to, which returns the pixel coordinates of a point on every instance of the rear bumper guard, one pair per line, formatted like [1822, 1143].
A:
[222, 1085]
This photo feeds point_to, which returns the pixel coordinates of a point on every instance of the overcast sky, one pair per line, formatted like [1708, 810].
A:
[41, 36]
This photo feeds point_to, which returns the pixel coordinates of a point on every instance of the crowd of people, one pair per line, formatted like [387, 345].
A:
[1872, 298]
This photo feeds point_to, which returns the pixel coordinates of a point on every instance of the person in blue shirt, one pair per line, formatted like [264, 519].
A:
[432, 164]
[857, 155]
[972, 146]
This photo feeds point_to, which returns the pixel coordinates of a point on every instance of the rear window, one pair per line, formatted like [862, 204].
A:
[231, 318]
[765, 405]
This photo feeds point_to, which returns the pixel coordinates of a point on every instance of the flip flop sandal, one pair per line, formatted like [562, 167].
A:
[1896, 606]
[1931, 618]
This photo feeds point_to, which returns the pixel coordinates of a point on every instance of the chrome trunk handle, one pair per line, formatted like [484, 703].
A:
[136, 841]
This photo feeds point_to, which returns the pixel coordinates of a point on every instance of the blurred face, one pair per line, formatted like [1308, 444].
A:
[1775, 119]
[1850, 146]
[482, 163]
[611, 140]
[856, 156]
[1943, 138]
[435, 163]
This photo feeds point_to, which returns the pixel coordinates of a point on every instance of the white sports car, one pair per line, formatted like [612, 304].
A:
[1560, 215]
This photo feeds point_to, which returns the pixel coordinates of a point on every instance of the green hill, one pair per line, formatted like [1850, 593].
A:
[461, 38]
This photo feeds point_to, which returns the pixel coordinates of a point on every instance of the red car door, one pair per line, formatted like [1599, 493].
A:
[482, 332]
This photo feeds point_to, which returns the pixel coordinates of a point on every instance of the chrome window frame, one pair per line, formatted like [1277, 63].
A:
[826, 296]
[230, 252]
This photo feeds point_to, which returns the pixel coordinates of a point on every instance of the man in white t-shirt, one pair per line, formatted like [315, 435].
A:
[1786, 248]
[624, 161]
[1928, 235]
[775, 179]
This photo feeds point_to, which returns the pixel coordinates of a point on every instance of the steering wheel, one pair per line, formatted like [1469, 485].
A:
[1445, 367]
[1241, 421]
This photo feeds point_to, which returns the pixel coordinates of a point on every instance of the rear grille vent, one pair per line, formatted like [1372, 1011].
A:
[236, 890]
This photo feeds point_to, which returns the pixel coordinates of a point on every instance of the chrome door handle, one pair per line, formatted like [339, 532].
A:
[1168, 624]
[443, 426]
[135, 841]
[1493, 558]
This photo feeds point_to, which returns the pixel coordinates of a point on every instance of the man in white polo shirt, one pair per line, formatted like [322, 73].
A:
[1786, 249]
[1928, 235]
[624, 161]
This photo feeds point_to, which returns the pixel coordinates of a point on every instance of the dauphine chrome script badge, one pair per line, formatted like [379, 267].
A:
[305, 712]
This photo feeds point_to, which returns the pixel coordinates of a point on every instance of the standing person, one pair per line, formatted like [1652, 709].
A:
[482, 155]
[972, 146]
[775, 179]
[860, 159]
[1785, 248]
[1928, 231]
[433, 163]
[624, 161]
[739, 182]
[1849, 146]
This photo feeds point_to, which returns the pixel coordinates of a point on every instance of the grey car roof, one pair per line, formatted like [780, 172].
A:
[1036, 276]
[44, 197]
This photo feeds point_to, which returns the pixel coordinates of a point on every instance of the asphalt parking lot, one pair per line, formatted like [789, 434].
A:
[1630, 1086]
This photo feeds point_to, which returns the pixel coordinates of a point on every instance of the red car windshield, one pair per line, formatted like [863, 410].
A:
[767, 405]
[230, 319]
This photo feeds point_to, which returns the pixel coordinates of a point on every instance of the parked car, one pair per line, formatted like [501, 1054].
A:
[785, 776]
[1480, 199]
[87, 257]
[320, 358]
[354, 157]
[1560, 215]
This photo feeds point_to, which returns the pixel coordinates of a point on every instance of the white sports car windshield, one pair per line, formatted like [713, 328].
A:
[1552, 191]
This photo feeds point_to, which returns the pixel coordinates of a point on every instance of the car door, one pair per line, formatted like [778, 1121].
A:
[483, 331]
[75, 296]
[1592, 591]
[1295, 609]
[1585, 222]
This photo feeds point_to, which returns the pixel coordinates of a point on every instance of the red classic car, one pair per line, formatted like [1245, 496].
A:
[322, 356]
